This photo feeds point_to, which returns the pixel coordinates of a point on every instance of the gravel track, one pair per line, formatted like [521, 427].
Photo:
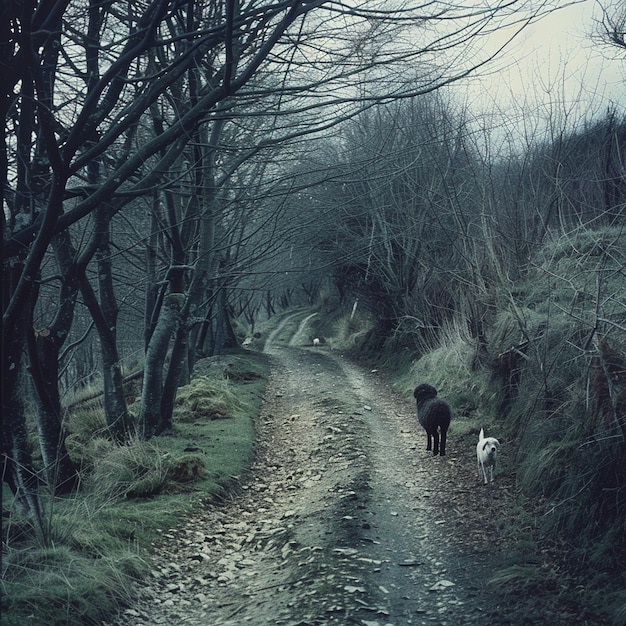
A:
[343, 519]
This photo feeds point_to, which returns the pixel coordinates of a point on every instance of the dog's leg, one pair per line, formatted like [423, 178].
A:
[482, 465]
[436, 445]
[429, 443]
[442, 447]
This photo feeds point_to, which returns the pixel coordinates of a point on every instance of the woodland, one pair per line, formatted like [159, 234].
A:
[175, 173]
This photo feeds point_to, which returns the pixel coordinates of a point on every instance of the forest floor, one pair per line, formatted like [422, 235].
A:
[345, 519]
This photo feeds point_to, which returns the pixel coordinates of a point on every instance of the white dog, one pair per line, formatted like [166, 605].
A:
[316, 341]
[486, 452]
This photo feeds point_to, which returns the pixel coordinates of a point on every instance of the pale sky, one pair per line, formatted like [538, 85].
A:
[555, 63]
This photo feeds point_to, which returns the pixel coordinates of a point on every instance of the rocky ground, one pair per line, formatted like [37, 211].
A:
[344, 519]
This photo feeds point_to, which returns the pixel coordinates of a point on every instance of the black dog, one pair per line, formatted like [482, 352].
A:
[434, 415]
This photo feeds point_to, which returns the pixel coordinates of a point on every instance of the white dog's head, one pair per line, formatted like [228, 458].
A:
[487, 449]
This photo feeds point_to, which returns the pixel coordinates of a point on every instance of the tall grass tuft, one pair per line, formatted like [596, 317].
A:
[448, 363]
[519, 578]
[619, 609]
[351, 331]
[206, 398]
[136, 470]
[58, 586]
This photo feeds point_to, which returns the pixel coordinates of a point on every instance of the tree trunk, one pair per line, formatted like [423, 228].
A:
[269, 305]
[17, 470]
[60, 472]
[152, 288]
[150, 419]
[44, 347]
[225, 337]
[175, 371]
[118, 420]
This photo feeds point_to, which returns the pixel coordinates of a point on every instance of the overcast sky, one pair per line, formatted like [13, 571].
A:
[555, 60]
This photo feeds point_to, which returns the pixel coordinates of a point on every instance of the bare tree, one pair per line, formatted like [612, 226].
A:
[612, 27]
[399, 210]
[80, 79]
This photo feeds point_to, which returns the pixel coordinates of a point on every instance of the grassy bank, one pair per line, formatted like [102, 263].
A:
[548, 378]
[99, 540]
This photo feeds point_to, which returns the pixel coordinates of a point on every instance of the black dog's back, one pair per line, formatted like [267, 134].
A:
[434, 415]
[435, 410]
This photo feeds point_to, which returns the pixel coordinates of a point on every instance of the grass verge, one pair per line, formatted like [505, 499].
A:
[99, 539]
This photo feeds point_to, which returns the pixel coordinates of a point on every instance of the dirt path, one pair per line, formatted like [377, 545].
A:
[346, 519]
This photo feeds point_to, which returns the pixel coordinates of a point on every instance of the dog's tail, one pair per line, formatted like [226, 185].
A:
[482, 435]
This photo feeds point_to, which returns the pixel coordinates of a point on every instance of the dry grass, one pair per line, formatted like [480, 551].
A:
[137, 469]
[206, 398]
